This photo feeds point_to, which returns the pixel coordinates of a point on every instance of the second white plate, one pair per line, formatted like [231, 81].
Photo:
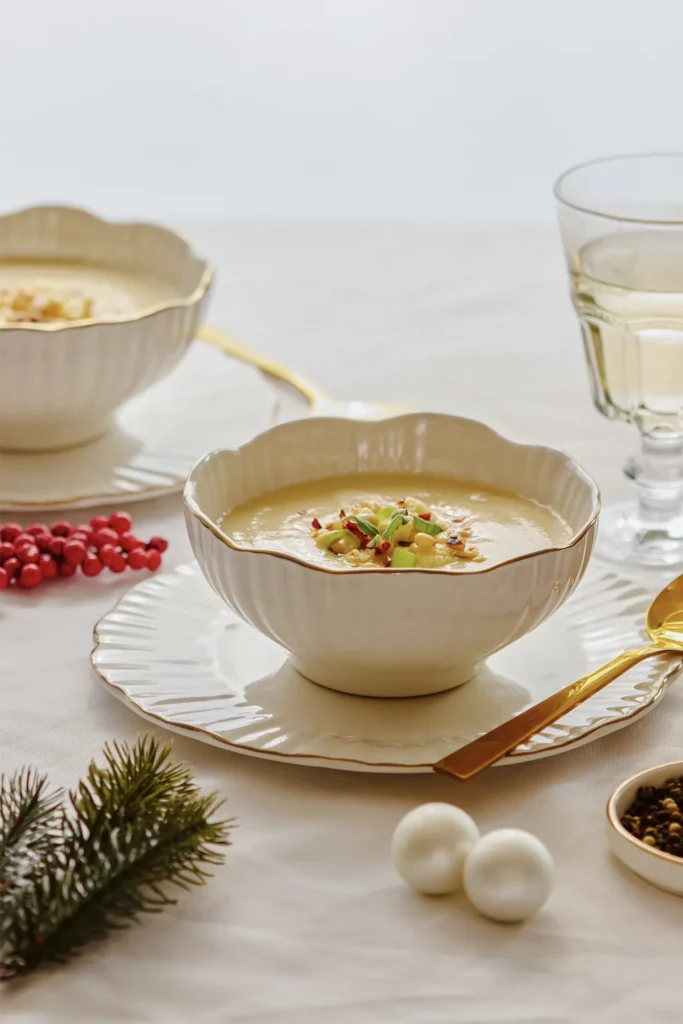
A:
[177, 656]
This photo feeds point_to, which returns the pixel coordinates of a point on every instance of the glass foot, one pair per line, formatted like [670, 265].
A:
[626, 539]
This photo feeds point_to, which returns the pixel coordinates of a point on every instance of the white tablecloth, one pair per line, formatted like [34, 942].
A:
[307, 923]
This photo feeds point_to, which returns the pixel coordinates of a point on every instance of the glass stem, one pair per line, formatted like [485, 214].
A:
[658, 474]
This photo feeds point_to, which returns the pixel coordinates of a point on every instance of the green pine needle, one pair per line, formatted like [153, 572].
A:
[26, 809]
[28, 813]
[132, 828]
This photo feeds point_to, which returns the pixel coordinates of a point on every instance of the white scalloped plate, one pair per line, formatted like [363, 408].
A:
[177, 656]
[206, 400]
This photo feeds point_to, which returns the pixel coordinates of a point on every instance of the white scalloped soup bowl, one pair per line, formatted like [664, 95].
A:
[62, 382]
[389, 633]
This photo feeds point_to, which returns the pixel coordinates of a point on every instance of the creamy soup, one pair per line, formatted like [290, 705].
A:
[46, 290]
[396, 521]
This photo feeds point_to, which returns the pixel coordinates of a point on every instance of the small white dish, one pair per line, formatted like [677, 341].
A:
[176, 655]
[315, 612]
[158, 438]
[62, 382]
[655, 866]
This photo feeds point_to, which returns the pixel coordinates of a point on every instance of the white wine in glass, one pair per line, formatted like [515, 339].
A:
[622, 227]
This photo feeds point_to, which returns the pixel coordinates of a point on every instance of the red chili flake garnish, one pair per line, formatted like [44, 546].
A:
[316, 524]
[342, 513]
[382, 547]
[425, 515]
[354, 528]
[402, 503]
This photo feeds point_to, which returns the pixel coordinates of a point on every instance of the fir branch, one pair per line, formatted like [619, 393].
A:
[28, 813]
[133, 827]
[26, 809]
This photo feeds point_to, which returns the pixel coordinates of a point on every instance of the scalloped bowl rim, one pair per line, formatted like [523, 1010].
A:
[195, 297]
[206, 521]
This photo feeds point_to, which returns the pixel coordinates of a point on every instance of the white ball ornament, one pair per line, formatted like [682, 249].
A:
[430, 845]
[508, 875]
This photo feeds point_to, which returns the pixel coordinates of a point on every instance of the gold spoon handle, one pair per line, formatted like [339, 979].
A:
[471, 759]
[231, 347]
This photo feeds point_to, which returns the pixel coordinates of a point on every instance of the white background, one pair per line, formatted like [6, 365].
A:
[403, 110]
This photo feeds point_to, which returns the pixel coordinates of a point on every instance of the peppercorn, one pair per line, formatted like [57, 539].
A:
[39, 553]
[656, 817]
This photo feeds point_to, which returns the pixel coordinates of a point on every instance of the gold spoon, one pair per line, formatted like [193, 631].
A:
[320, 403]
[665, 629]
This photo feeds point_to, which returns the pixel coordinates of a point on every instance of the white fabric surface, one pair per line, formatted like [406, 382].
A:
[307, 922]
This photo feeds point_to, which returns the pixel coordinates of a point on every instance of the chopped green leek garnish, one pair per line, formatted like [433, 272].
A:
[426, 526]
[398, 520]
[335, 535]
[401, 558]
[368, 529]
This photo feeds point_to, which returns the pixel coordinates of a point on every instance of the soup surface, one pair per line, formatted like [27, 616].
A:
[43, 291]
[396, 521]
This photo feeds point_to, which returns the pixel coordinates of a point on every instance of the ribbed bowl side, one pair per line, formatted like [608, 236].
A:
[393, 624]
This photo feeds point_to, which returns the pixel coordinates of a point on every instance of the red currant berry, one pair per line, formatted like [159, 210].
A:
[6, 549]
[159, 543]
[83, 538]
[91, 566]
[10, 532]
[106, 552]
[105, 536]
[116, 562]
[128, 542]
[137, 558]
[43, 541]
[75, 552]
[120, 521]
[66, 569]
[153, 559]
[83, 529]
[30, 577]
[48, 567]
[98, 523]
[12, 567]
[36, 528]
[4, 579]
[23, 539]
[57, 545]
[28, 554]
[61, 528]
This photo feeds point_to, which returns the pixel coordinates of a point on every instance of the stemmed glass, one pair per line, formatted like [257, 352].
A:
[622, 227]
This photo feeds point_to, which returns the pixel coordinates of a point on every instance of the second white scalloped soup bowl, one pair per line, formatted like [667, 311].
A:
[384, 632]
[62, 382]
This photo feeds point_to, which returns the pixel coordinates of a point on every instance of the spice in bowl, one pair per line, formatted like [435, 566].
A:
[656, 816]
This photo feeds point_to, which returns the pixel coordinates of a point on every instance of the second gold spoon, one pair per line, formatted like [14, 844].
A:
[320, 403]
[665, 628]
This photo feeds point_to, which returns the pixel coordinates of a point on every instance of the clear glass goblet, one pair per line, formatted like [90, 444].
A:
[622, 228]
